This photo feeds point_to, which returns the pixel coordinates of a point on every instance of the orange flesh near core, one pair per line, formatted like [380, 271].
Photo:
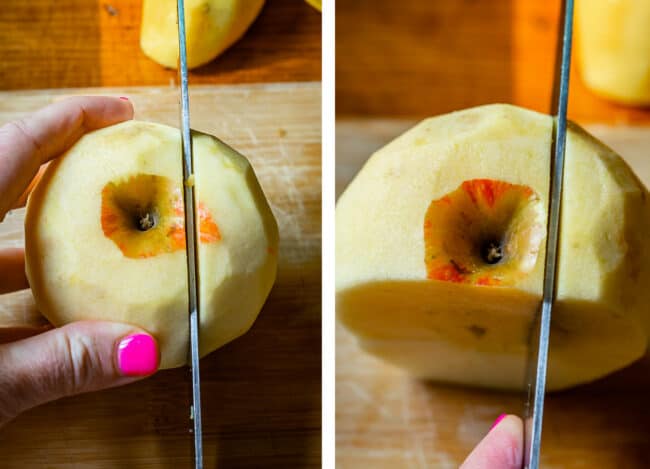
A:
[480, 215]
[144, 217]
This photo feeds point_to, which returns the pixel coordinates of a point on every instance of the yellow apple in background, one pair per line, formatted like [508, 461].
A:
[613, 44]
[211, 27]
[104, 237]
[318, 4]
[440, 243]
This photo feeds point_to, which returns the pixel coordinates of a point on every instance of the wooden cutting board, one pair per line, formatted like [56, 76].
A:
[261, 393]
[385, 419]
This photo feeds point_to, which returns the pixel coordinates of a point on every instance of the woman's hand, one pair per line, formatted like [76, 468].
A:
[501, 448]
[79, 357]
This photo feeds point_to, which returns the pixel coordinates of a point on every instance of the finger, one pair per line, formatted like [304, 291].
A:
[12, 265]
[27, 143]
[77, 358]
[501, 448]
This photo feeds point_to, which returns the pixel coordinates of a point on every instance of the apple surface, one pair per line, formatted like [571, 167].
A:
[211, 26]
[105, 239]
[440, 244]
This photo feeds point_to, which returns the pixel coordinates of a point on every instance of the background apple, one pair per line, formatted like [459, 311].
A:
[211, 27]
[440, 248]
[614, 48]
[105, 239]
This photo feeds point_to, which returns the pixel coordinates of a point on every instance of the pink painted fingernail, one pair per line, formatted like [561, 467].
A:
[124, 98]
[137, 355]
[499, 418]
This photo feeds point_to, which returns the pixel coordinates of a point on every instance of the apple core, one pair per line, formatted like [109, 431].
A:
[143, 215]
[486, 232]
[492, 252]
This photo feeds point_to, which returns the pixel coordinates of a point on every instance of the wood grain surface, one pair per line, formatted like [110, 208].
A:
[416, 58]
[385, 419]
[81, 43]
[261, 393]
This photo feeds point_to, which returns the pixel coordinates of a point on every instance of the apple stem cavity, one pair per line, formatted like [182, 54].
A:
[146, 221]
[492, 252]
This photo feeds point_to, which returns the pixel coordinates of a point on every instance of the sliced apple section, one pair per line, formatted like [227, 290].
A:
[462, 333]
[440, 243]
[105, 239]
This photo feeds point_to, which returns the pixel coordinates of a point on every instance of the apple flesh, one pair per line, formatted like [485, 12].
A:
[104, 237]
[211, 26]
[441, 242]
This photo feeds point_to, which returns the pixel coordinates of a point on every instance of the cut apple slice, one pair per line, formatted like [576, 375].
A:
[105, 238]
[440, 243]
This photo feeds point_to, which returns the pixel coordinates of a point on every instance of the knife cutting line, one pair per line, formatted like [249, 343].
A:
[541, 328]
[189, 203]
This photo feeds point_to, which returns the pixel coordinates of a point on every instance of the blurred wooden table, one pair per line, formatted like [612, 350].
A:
[385, 419]
[422, 58]
[88, 43]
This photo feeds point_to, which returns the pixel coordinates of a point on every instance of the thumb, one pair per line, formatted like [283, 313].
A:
[76, 358]
[501, 448]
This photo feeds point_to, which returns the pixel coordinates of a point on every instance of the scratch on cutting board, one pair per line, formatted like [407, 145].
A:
[367, 398]
[417, 447]
[425, 439]
[471, 428]
[252, 136]
[285, 176]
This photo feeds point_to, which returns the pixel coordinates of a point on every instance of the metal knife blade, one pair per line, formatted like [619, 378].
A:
[191, 243]
[539, 333]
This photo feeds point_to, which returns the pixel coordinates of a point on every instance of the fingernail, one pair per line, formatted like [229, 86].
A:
[124, 98]
[137, 355]
[499, 418]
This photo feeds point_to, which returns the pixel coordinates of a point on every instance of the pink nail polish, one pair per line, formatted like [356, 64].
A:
[124, 98]
[137, 355]
[499, 418]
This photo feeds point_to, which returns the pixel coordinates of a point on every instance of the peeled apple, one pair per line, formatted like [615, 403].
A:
[614, 48]
[105, 240]
[440, 243]
[211, 27]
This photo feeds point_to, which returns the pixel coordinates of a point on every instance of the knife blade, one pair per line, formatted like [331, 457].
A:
[191, 244]
[540, 330]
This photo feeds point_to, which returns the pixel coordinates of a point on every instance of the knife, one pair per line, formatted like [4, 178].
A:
[539, 332]
[191, 244]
